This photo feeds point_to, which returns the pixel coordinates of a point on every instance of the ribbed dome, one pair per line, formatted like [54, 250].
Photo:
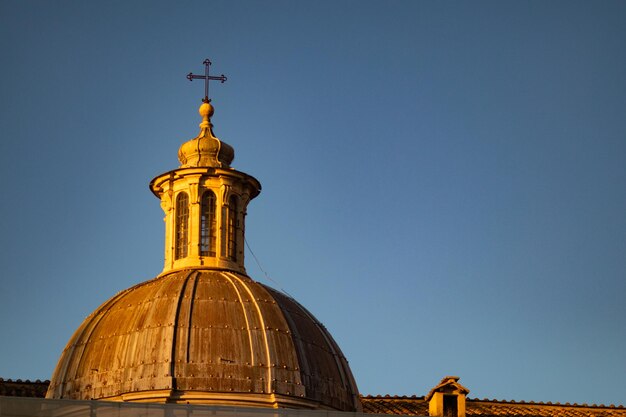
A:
[205, 336]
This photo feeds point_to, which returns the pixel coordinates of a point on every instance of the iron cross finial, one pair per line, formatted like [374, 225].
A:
[206, 77]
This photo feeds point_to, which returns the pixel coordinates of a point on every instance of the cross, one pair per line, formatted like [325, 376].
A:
[206, 77]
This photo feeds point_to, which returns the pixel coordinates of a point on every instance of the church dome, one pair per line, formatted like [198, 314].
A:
[203, 332]
[205, 336]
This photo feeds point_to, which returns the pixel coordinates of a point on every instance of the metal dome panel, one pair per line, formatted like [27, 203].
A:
[205, 336]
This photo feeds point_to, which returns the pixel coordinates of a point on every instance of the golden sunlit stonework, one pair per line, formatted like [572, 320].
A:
[203, 332]
[447, 398]
[212, 235]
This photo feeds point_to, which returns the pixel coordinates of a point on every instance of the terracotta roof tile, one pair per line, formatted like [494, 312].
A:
[415, 406]
[418, 406]
[19, 388]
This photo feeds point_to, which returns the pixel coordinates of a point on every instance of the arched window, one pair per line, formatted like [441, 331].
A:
[207, 224]
[231, 246]
[182, 225]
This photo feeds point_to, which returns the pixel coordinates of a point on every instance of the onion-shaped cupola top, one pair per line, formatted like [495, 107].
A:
[205, 150]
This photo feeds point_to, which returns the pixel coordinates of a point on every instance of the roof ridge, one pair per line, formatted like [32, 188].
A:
[392, 397]
[547, 403]
[25, 381]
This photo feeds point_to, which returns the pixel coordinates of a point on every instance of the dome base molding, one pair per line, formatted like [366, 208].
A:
[243, 399]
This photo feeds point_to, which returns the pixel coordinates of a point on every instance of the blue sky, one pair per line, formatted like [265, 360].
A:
[443, 182]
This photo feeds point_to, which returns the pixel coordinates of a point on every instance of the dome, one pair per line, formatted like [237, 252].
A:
[203, 332]
[205, 336]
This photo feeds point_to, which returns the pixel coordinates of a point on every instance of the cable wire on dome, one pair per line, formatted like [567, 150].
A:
[263, 270]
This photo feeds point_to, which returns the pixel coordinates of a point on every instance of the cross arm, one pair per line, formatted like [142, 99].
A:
[221, 78]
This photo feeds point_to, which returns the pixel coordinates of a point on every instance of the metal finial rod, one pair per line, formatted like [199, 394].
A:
[206, 77]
